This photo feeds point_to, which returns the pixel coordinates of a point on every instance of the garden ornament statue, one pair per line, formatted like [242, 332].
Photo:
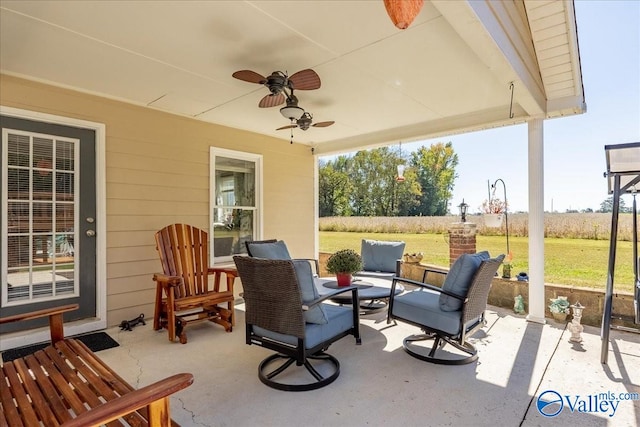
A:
[575, 327]
[518, 304]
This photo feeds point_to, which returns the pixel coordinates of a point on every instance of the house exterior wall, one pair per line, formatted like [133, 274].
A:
[157, 173]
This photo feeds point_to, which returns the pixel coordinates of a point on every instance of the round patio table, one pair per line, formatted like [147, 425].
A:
[373, 292]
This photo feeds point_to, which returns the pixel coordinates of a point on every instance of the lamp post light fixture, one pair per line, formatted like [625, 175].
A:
[463, 211]
[575, 327]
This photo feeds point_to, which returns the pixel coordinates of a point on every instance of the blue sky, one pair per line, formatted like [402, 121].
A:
[609, 41]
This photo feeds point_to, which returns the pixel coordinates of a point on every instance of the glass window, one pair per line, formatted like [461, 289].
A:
[38, 216]
[236, 218]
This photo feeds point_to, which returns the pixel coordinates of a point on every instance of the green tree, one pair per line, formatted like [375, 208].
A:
[376, 191]
[436, 173]
[366, 184]
[607, 205]
[334, 188]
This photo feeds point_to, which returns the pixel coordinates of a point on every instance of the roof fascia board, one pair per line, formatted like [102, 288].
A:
[574, 49]
[487, 119]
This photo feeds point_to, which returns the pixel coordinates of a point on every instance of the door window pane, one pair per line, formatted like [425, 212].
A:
[39, 218]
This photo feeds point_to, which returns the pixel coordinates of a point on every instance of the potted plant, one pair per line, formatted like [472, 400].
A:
[559, 308]
[343, 264]
[493, 211]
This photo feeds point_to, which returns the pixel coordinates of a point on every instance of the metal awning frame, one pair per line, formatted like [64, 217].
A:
[621, 180]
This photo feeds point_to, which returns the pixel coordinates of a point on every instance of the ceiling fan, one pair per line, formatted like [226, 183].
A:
[278, 82]
[305, 121]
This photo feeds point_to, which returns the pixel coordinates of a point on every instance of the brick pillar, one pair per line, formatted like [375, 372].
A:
[462, 240]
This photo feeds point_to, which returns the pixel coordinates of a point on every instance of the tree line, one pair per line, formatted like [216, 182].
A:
[367, 184]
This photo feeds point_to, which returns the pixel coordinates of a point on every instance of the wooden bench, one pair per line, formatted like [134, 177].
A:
[67, 384]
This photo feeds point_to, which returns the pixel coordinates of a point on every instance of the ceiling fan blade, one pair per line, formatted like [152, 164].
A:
[288, 127]
[249, 76]
[323, 124]
[305, 80]
[271, 101]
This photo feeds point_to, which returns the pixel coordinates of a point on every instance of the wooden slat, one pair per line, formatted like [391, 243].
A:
[10, 415]
[60, 382]
[40, 403]
[27, 414]
[82, 389]
[94, 372]
[48, 389]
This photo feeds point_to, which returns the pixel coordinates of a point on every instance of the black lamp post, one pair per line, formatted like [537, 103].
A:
[463, 211]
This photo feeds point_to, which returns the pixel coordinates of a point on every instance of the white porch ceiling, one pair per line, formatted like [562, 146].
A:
[449, 72]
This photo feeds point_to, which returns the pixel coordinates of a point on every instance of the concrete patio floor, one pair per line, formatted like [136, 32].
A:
[380, 384]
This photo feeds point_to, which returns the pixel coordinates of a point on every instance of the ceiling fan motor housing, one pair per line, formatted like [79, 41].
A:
[305, 121]
[276, 82]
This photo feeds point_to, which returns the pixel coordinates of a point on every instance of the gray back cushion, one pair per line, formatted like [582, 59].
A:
[459, 279]
[378, 255]
[271, 250]
[308, 292]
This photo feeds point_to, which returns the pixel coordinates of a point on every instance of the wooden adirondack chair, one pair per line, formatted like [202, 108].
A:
[185, 284]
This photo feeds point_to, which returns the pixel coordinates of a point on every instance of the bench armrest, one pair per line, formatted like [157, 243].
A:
[56, 328]
[155, 396]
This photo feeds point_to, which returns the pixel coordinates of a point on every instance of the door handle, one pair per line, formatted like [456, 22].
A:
[91, 233]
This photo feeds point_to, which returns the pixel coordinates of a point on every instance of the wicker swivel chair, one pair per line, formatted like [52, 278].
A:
[447, 315]
[285, 314]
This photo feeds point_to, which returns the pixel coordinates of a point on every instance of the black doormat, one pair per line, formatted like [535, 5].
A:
[96, 341]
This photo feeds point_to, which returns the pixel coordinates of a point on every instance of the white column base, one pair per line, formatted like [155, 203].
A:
[535, 319]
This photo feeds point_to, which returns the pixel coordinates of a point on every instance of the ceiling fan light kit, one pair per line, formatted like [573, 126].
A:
[292, 112]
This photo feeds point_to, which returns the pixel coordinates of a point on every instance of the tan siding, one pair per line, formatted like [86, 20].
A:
[157, 173]
[114, 317]
[133, 253]
[124, 285]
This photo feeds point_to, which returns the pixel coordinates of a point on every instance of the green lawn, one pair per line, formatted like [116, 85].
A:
[576, 262]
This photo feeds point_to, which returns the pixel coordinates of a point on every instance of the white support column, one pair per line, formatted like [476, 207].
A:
[536, 222]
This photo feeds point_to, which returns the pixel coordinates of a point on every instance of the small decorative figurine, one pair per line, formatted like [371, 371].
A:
[127, 325]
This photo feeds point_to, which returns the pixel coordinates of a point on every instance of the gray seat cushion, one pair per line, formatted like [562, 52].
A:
[270, 250]
[378, 255]
[375, 274]
[340, 319]
[422, 306]
[459, 279]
